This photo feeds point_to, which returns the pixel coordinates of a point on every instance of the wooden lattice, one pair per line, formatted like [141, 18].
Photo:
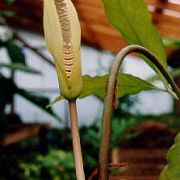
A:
[96, 30]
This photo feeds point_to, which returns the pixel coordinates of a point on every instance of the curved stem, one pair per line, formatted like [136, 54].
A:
[108, 104]
[76, 141]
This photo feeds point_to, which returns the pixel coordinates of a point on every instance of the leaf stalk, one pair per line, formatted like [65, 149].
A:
[109, 98]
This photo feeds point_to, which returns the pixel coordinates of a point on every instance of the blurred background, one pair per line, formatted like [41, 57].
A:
[35, 142]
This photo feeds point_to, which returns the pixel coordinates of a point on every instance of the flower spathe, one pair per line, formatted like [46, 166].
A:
[62, 33]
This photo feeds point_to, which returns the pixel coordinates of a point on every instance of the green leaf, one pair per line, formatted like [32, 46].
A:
[168, 42]
[133, 20]
[174, 73]
[127, 85]
[57, 99]
[121, 124]
[94, 86]
[20, 67]
[7, 13]
[2, 43]
[15, 52]
[9, 1]
[9, 89]
[172, 171]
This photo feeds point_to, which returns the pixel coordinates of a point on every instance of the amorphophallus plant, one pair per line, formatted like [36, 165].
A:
[63, 36]
[62, 33]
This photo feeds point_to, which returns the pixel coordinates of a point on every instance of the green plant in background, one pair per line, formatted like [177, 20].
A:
[133, 20]
[171, 171]
[9, 1]
[8, 86]
[57, 163]
[27, 160]
[17, 62]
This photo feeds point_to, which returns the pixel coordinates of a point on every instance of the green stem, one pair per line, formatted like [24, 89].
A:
[76, 141]
[108, 104]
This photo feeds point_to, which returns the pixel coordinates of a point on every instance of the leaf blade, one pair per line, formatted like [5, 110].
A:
[39, 101]
[171, 171]
[133, 20]
[20, 67]
[127, 85]
[15, 52]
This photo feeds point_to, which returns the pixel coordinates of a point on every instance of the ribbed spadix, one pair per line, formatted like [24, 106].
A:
[62, 34]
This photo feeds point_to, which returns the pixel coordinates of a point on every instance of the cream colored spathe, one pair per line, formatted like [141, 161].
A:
[63, 34]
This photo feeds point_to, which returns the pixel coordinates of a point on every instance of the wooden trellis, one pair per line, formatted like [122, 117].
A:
[96, 30]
